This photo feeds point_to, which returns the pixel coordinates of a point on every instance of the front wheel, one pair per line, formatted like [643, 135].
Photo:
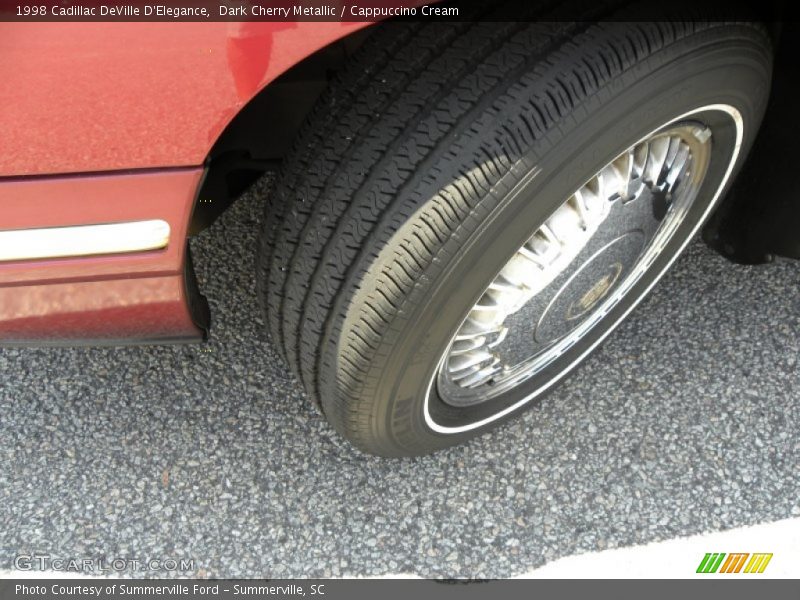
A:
[466, 219]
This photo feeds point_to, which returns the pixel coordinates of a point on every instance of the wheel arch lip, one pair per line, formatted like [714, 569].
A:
[737, 119]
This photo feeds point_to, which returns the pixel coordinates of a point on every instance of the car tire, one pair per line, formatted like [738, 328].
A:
[438, 156]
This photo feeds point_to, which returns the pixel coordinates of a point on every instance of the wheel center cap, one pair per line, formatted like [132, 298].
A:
[596, 293]
[590, 284]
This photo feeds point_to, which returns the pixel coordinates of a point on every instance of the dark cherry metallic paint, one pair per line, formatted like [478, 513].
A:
[75, 200]
[151, 309]
[82, 98]
[139, 295]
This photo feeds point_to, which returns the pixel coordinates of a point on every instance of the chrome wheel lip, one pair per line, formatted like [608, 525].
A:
[737, 120]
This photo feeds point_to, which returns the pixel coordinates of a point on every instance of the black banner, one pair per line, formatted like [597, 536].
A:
[379, 10]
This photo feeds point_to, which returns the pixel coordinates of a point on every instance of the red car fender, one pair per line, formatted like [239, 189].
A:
[143, 102]
[82, 97]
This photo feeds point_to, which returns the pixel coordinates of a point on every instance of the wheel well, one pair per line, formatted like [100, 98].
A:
[259, 136]
[760, 215]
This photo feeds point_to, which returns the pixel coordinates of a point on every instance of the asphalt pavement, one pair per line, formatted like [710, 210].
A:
[687, 420]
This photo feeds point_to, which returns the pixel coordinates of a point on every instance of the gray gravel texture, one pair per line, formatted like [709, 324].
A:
[685, 421]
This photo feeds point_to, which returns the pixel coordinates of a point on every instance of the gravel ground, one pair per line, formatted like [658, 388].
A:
[685, 421]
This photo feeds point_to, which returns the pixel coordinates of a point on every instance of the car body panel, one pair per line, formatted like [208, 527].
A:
[139, 295]
[30, 203]
[98, 121]
[88, 96]
[116, 311]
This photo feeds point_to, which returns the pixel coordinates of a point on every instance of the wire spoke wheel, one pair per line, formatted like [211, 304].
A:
[577, 264]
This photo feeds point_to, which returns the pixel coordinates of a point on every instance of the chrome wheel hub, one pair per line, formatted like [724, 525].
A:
[576, 266]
